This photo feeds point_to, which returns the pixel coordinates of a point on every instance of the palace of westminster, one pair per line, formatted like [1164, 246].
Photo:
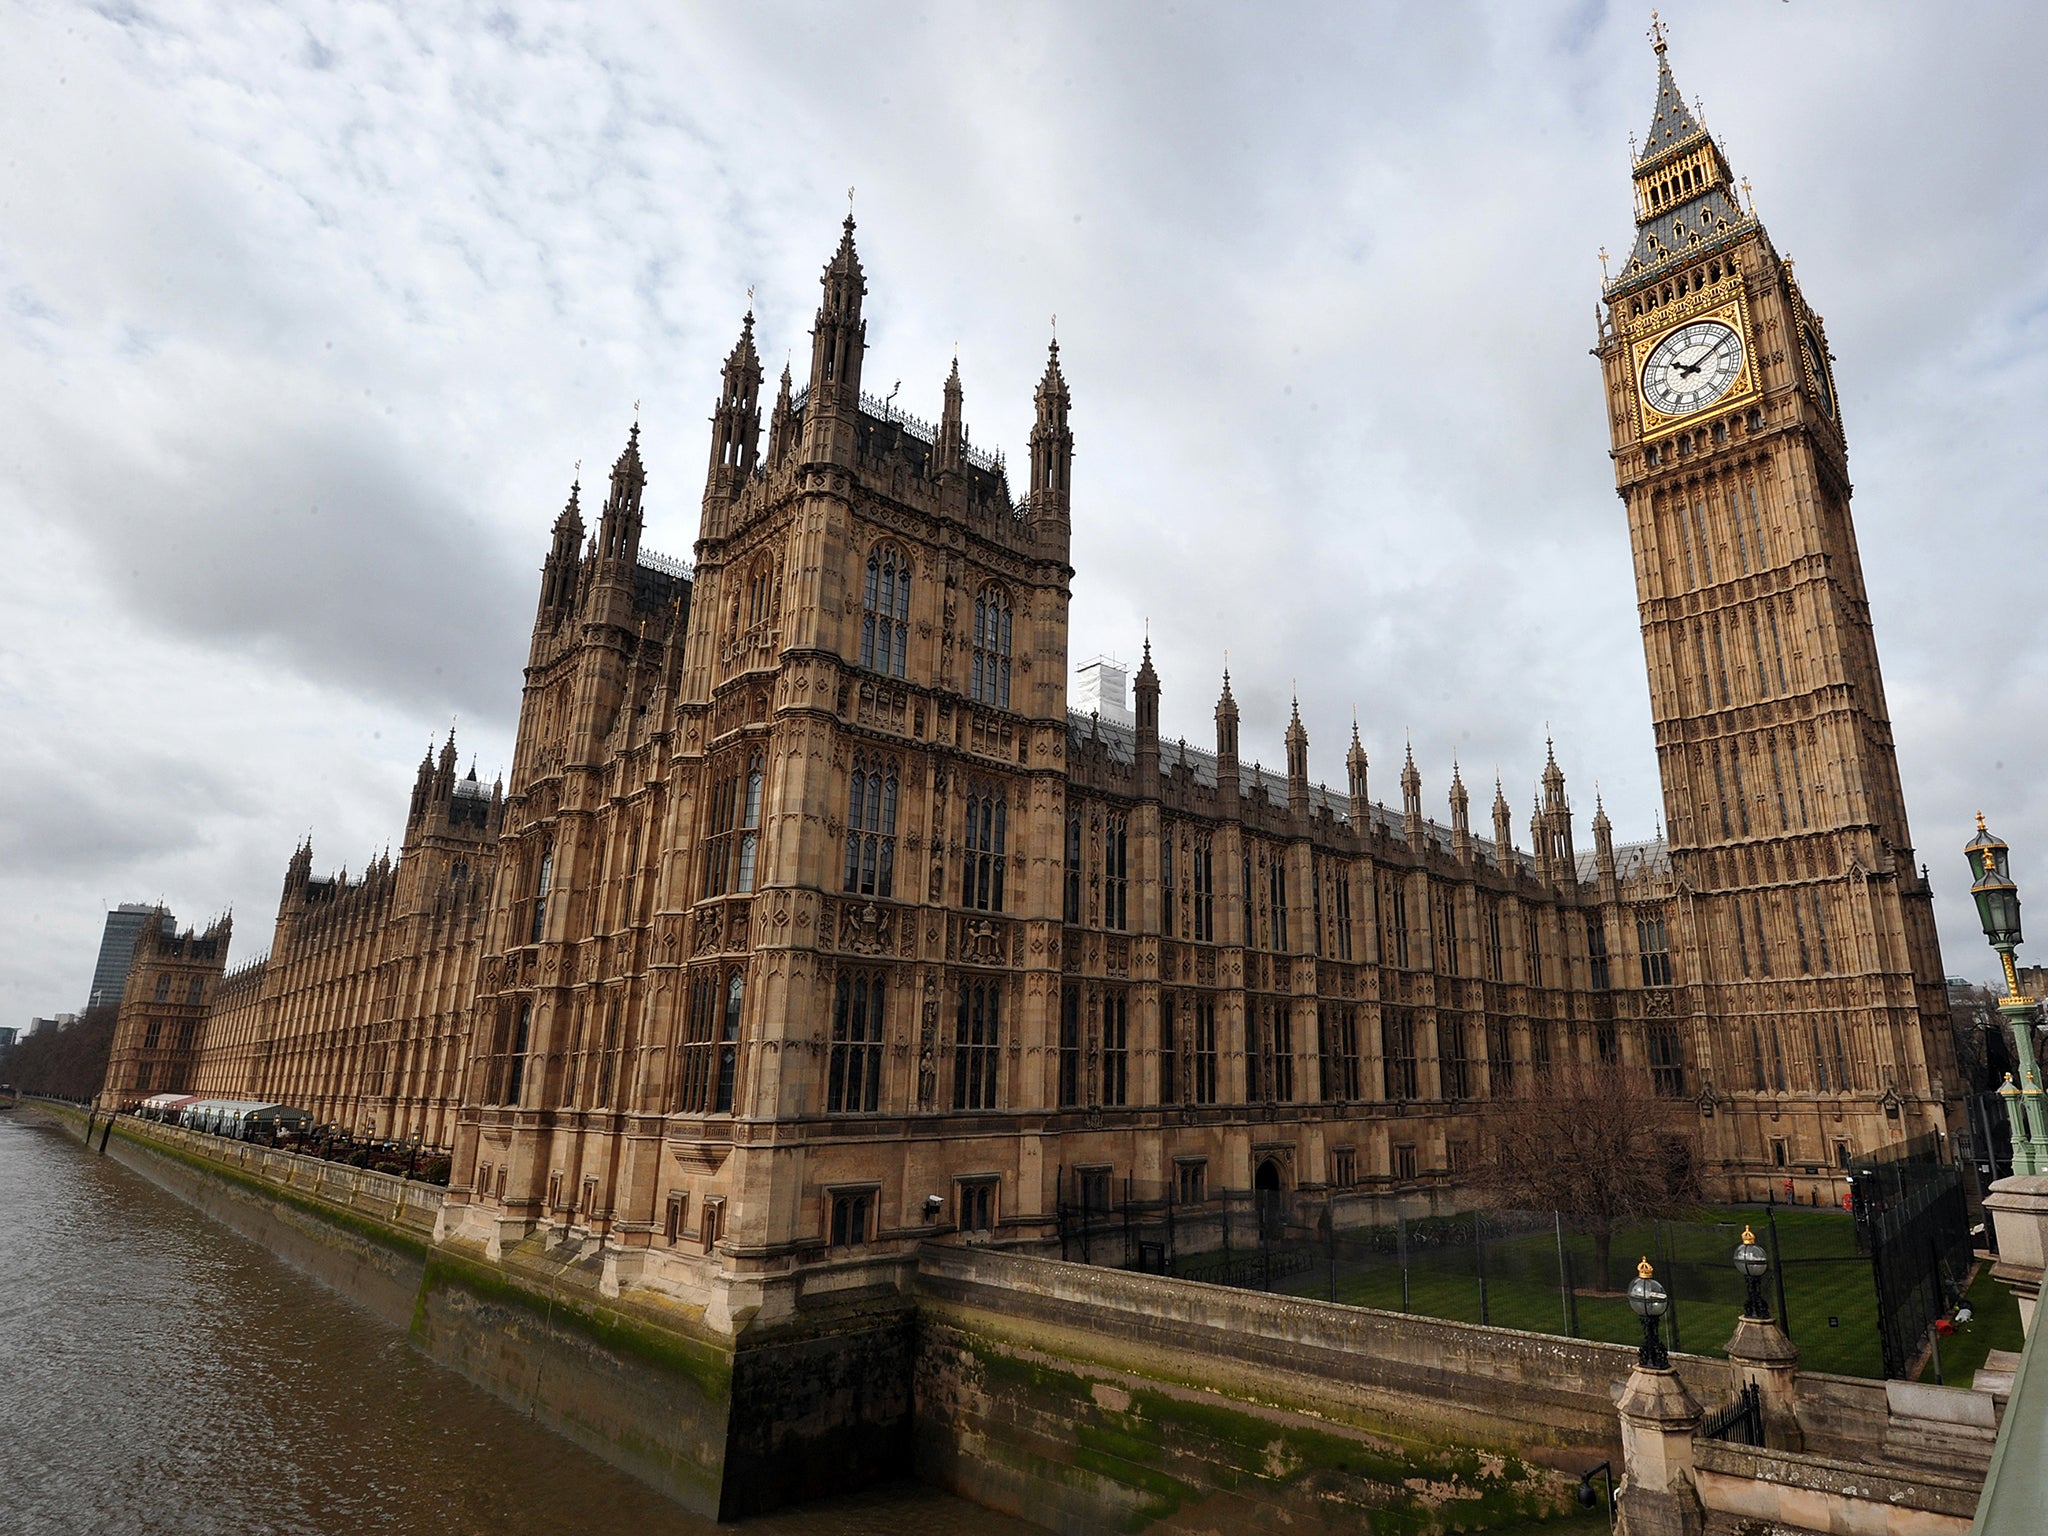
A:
[810, 899]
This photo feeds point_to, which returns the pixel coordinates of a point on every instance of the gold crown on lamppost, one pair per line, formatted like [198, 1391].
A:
[1644, 1271]
[1747, 1235]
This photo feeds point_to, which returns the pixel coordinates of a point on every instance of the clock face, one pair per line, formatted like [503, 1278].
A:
[1692, 367]
[1817, 369]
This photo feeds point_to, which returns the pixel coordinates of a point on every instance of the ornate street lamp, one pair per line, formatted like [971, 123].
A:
[1648, 1299]
[1750, 1262]
[1998, 909]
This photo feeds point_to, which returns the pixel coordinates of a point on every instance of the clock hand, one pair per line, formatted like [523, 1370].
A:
[1686, 372]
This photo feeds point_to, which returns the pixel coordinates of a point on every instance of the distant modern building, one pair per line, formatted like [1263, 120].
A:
[8, 1035]
[117, 948]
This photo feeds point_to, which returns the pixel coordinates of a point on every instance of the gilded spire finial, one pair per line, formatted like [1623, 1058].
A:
[1603, 263]
[1656, 33]
[1980, 823]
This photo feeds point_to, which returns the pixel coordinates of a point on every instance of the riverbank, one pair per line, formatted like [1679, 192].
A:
[1079, 1399]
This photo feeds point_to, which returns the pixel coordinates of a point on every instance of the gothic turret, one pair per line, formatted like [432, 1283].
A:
[1297, 764]
[1557, 818]
[1503, 831]
[1355, 766]
[1603, 840]
[1147, 702]
[298, 874]
[559, 575]
[1052, 448]
[838, 344]
[618, 530]
[1226, 746]
[949, 452]
[1539, 843]
[1461, 817]
[1411, 801]
[781, 423]
[736, 424]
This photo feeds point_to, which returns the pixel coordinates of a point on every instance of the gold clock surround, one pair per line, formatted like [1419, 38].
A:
[1725, 302]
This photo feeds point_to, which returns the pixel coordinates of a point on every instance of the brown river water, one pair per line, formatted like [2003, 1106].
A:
[158, 1373]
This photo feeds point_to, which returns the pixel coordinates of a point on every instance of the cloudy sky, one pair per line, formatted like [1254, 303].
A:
[308, 313]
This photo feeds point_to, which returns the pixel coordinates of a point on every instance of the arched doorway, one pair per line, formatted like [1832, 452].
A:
[1266, 1190]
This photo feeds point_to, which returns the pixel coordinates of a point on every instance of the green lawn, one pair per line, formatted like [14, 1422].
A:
[1829, 1294]
[1996, 1325]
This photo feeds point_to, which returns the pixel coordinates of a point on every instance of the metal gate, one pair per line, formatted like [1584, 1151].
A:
[1912, 1218]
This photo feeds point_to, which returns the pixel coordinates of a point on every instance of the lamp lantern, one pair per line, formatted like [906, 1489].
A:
[1648, 1299]
[1751, 1262]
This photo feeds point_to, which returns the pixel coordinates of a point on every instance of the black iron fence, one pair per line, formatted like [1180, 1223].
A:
[1913, 1220]
[1530, 1270]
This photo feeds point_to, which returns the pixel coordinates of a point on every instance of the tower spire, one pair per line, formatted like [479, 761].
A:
[736, 424]
[1052, 446]
[838, 343]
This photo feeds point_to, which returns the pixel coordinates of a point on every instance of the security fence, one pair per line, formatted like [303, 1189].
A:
[1533, 1270]
[1913, 1220]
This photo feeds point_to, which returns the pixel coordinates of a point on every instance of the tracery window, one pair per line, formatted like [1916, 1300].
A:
[1276, 891]
[1397, 1051]
[854, 1072]
[1205, 893]
[1341, 1082]
[885, 613]
[1452, 1058]
[710, 1049]
[1447, 930]
[1655, 948]
[1169, 918]
[1116, 1058]
[1596, 954]
[1269, 1063]
[987, 839]
[871, 828]
[1202, 1079]
[977, 1037]
[1341, 880]
[1500, 1058]
[989, 682]
[543, 880]
[1170, 1055]
[750, 829]
[1072, 908]
[1115, 867]
[1070, 1046]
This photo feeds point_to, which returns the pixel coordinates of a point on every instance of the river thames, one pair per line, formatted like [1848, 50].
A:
[159, 1373]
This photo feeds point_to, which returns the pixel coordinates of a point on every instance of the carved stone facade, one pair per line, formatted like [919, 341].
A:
[810, 901]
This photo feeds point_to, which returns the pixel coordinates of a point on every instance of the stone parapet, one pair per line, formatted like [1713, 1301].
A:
[2019, 1211]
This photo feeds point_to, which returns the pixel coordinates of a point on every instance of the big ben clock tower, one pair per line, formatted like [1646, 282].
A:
[1806, 928]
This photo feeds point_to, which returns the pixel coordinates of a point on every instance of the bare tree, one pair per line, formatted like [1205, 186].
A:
[1595, 1143]
[70, 1062]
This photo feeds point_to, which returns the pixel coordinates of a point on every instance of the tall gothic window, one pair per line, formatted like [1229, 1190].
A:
[1169, 917]
[988, 832]
[1655, 948]
[977, 1036]
[1341, 1082]
[854, 1075]
[1115, 867]
[990, 681]
[1596, 953]
[885, 613]
[515, 1077]
[729, 1043]
[1495, 968]
[871, 829]
[543, 881]
[1169, 1053]
[1202, 1079]
[1397, 922]
[1452, 1058]
[1539, 1045]
[1276, 891]
[1072, 907]
[1397, 1049]
[1269, 1064]
[1070, 1046]
[750, 829]
[732, 827]
[1116, 1056]
[1447, 930]
[1500, 1057]
[1205, 893]
[1341, 879]
[710, 1051]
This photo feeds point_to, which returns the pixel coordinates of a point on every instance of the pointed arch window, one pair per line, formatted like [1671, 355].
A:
[977, 1037]
[733, 828]
[871, 829]
[1072, 902]
[750, 828]
[885, 613]
[988, 832]
[990, 680]
[854, 1083]
[543, 881]
[1115, 870]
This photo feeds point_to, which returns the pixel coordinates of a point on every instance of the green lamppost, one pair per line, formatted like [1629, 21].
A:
[1998, 908]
